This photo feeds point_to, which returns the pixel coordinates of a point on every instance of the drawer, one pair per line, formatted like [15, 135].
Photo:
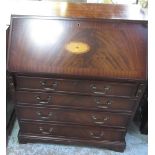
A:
[69, 116]
[76, 86]
[75, 101]
[74, 131]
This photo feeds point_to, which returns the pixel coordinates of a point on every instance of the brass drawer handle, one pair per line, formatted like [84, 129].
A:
[93, 86]
[43, 102]
[44, 117]
[102, 105]
[52, 87]
[99, 122]
[94, 89]
[93, 135]
[46, 132]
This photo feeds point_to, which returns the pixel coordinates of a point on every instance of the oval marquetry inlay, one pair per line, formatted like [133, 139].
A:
[77, 47]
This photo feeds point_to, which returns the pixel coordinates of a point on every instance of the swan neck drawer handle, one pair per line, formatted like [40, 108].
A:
[94, 89]
[46, 132]
[44, 117]
[51, 87]
[102, 105]
[38, 98]
[99, 122]
[93, 135]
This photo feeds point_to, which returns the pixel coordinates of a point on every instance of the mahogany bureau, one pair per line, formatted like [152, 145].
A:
[78, 75]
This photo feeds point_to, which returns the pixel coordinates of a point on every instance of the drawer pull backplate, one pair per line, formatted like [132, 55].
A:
[44, 117]
[93, 135]
[38, 98]
[46, 132]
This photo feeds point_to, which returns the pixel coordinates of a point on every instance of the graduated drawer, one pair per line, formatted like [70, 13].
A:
[75, 101]
[70, 131]
[72, 116]
[76, 86]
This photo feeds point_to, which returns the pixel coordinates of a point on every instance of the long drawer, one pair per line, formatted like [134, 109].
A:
[75, 101]
[76, 86]
[68, 131]
[72, 116]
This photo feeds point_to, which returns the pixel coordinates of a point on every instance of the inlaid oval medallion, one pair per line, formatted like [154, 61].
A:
[77, 47]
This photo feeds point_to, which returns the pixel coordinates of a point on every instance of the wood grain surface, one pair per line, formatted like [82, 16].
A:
[85, 102]
[75, 86]
[117, 50]
[70, 116]
[88, 10]
[70, 131]
[78, 73]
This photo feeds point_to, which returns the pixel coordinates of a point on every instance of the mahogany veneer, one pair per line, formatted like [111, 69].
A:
[76, 101]
[78, 75]
[74, 131]
[72, 116]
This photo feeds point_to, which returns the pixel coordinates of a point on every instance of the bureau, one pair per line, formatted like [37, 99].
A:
[77, 75]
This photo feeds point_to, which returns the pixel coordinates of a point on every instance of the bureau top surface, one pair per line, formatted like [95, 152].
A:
[88, 10]
[78, 47]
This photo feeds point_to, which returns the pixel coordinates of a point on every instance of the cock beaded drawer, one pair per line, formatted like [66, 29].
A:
[78, 77]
